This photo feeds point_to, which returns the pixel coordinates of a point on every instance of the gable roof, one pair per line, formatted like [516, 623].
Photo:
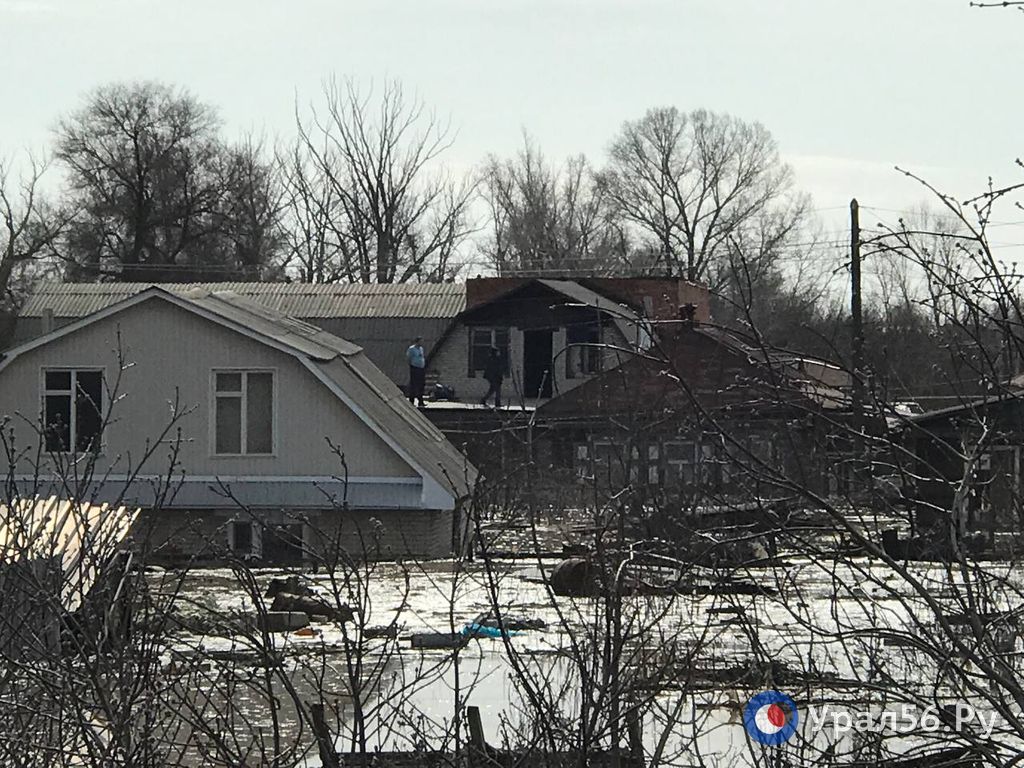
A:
[821, 381]
[306, 300]
[630, 323]
[340, 365]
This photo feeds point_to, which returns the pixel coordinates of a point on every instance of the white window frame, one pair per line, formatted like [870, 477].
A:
[74, 370]
[243, 441]
[677, 469]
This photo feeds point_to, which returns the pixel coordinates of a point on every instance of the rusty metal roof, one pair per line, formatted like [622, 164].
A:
[305, 300]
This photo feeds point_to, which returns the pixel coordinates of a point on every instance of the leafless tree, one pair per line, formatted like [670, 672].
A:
[693, 183]
[549, 220]
[368, 199]
[30, 227]
[161, 196]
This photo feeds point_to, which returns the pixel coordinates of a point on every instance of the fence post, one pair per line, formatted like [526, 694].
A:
[328, 755]
[477, 745]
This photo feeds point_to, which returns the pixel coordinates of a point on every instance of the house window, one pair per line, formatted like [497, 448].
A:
[582, 355]
[582, 461]
[653, 470]
[480, 342]
[680, 457]
[243, 413]
[72, 410]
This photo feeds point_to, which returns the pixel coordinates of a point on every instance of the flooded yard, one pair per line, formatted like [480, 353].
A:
[846, 637]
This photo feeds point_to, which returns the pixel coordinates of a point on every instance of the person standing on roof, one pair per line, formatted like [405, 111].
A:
[417, 370]
[494, 373]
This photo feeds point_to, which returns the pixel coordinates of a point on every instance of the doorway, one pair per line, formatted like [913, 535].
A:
[537, 348]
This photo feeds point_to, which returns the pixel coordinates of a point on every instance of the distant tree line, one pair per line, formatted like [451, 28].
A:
[149, 188]
[141, 184]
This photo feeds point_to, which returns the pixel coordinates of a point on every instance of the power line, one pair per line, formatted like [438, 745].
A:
[905, 212]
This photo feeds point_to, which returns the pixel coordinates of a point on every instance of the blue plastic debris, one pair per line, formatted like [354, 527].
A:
[474, 629]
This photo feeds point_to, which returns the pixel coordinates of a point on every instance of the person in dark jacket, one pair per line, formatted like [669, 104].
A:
[494, 373]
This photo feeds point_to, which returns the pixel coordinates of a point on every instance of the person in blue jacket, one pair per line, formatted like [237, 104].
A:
[417, 370]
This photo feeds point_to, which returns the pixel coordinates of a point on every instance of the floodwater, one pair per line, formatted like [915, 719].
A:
[812, 623]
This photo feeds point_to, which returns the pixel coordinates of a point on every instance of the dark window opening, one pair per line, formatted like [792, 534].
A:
[283, 545]
[480, 342]
[242, 538]
[582, 355]
[73, 411]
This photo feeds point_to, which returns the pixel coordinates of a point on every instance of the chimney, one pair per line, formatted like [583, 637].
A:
[47, 321]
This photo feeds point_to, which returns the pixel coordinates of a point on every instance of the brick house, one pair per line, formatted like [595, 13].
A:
[705, 411]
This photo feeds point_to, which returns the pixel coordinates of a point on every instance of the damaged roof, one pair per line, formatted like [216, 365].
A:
[824, 383]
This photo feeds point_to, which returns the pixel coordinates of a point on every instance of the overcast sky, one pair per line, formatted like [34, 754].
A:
[849, 89]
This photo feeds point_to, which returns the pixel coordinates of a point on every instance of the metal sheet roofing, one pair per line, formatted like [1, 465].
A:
[340, 362]
[308, 339]
[305, 300]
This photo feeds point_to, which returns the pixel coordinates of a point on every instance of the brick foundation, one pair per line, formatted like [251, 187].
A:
[184, 536]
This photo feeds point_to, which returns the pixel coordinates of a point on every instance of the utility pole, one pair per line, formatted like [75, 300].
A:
[856, 329]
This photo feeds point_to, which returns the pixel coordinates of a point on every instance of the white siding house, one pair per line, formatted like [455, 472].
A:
[233, 426]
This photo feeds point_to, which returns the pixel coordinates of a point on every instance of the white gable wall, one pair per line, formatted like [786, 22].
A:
[449, 363]
[171, 353]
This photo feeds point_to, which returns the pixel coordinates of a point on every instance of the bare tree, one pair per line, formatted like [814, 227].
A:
[252, 210]
[29, 230]
[549, 220]
[694, 182]
[161, 196]
[367, 199]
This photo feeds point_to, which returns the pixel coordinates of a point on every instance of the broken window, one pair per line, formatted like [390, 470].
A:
[72, 410]
[480, 342]
[243, 413]
[582, 353]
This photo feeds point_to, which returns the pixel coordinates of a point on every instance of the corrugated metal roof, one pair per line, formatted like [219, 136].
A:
[305, 300]
[341, 362]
